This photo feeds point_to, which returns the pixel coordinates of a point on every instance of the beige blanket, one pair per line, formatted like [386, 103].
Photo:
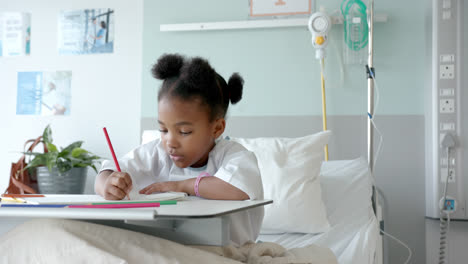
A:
[267, 252]
[67, 241]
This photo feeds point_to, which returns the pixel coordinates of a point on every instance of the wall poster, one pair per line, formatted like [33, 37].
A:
[86, 31]
[44, 93]
[265, 8]
[15, 34]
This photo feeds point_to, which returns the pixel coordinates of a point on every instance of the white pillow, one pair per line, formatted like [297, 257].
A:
[290, 170]
[347, 189]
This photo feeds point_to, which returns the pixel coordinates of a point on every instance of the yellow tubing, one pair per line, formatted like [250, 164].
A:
[324, 105]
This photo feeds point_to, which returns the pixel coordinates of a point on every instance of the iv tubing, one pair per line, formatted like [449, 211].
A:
[324, 105]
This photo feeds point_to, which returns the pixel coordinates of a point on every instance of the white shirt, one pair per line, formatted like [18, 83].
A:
[228, 160]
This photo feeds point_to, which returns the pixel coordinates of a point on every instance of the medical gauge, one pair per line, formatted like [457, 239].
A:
[319, 25]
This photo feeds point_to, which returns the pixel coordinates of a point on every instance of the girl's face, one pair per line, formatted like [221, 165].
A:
[186, 131]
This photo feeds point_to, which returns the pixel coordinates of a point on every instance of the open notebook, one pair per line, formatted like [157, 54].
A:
[93, 198]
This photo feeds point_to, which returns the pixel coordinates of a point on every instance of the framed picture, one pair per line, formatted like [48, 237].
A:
[15, 34]
[265, 8]
[86, 31]
[44, 93]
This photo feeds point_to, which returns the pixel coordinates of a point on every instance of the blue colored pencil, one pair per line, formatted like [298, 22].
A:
[34, 205]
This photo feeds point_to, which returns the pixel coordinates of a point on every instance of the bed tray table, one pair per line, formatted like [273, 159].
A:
[192, 221]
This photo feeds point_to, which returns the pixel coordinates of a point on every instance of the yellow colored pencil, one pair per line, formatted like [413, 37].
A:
[12, 199]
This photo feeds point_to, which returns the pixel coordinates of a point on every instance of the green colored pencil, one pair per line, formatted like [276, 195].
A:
[133, 202]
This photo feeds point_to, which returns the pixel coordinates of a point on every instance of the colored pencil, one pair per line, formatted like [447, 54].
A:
[168, 202]
[112, 152]
[139, 205]
[12, 199]
[97, 206]
[34, 205]
[16, 200]
[22, 195]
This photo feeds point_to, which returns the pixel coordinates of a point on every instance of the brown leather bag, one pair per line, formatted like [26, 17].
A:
[21, 182]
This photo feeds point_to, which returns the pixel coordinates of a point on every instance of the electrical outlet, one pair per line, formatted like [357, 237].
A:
[443, 175]
[449, 205]
[447, 106]
[447, 71]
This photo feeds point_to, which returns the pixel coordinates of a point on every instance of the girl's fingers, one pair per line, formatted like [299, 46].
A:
[149, 189]
[144, 190]
[128, 179]
[110, 196]
[160, 187]
[118, 193]
[120, 182]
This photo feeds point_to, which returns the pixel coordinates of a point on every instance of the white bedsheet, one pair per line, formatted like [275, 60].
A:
[347, 191]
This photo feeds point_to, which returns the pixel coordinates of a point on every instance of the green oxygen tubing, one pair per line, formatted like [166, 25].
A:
[355, 24]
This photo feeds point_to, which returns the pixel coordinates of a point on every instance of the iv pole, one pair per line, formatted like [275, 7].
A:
[370, 99]
[370, 109]
[370, 112]
[370, 89]
[370, 103]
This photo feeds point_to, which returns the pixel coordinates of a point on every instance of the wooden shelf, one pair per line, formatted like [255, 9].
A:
[252, 24]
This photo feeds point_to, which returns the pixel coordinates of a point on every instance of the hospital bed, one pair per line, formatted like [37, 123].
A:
[354, 230]
[346, 191]
[351, 231]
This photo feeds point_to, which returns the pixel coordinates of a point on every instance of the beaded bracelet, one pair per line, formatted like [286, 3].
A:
[197, 182]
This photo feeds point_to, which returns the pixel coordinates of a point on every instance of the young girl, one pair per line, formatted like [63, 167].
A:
[189, 157]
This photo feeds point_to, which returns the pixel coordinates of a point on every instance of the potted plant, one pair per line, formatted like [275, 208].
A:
[64, 171]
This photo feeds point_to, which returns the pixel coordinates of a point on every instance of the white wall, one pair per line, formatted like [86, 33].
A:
[106, 88]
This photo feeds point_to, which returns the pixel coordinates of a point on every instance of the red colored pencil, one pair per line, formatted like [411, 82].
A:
[116, 205]
[112, 152]
[111, 149]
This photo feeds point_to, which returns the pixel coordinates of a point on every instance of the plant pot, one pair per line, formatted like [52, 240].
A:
[55, 182]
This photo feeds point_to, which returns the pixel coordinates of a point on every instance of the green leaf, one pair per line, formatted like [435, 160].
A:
[66, 151]
[94, 168]
[93, 157]
[37, 161]
[64, 165]
[77, 152]
[51, 147]
[47, 135]
[82, 165]
[51, 160]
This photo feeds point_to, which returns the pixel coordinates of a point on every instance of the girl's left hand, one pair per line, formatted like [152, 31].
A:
[169, 186]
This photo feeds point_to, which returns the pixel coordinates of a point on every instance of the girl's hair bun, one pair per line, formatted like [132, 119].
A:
[198, 73]
[168, 65]
[235, 86]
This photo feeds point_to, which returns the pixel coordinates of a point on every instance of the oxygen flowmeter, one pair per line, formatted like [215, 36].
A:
[319, 25]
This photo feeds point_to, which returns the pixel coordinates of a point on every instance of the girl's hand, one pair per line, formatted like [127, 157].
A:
[117, 185]
[169, 186]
